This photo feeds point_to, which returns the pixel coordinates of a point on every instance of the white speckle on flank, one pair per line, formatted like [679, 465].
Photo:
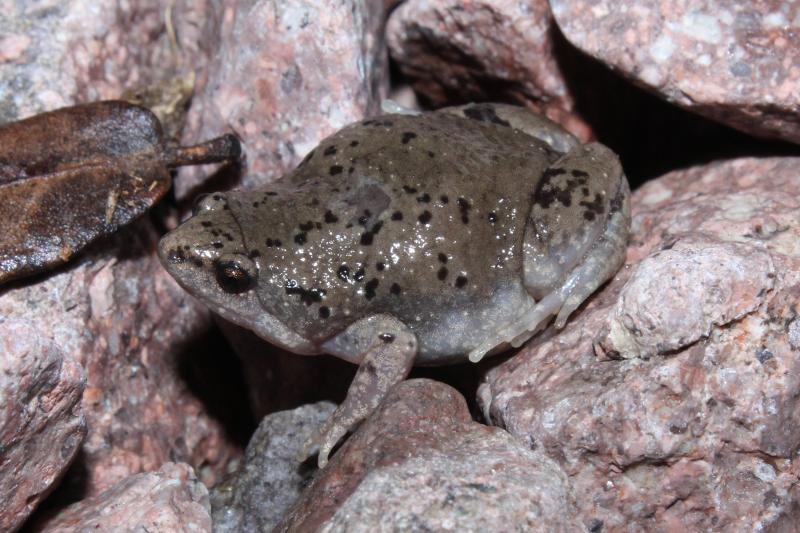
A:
[662, 49]
[700, 26]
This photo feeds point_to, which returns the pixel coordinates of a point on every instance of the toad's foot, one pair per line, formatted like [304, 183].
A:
[522, 328]
[388, 349]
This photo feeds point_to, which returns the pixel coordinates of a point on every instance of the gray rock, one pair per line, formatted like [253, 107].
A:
[270, 478]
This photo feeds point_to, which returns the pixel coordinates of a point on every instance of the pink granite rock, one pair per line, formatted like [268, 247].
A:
[736, 62]
[170, 499]
[41, 421]
[54, 54]
[421, 463]
[699, 428]
[286, 75]
[466, 50]
[113, 310]
[118, 314]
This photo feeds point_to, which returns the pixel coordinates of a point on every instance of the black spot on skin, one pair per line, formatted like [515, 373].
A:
[443, 258]
[206, 224]
[431, 154]
[369, 288]
[306, 226]
[330, 150]
[492, 217]
[484, 113]
[343, 273]
[425, 217]
[461, 282]
[353, 143]
[593, 208]
[387, 338]
[397, 215]
[228, 237]
[442, 274]
[464, 206]
[359, 275]
[308, 297]
[380, 266]
[196, 261]
[300, 238]
[547, 193]
[366, 237]
[350, 170]
[324, 312]
[273, 193]
[335, 169]
[424, 199]
[217, 245]
[395, 289]
[444, 199]
[255, 204]
[274, 242]
[253, 254]
[409, 190]
[407, 136]
[579, 174]
[176, 256]
[330, 218]
[585, 191]
[314, 202]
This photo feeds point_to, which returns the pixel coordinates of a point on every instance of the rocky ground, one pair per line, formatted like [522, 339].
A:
[669, 402]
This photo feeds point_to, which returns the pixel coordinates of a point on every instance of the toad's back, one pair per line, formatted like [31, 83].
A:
[421, 217]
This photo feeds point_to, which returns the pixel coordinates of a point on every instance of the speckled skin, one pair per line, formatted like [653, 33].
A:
[456, 231]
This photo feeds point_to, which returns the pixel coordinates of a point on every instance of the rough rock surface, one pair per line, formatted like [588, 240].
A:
[113, 310]
[736, 62]
[127, 323]
[421, 463]
[56, 53]
[41, 422]
[453, 49]
[698, 429]
[169, 499]
[270, 478]
[286, 75]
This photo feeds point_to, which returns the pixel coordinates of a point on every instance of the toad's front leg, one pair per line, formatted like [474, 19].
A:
[387, 348]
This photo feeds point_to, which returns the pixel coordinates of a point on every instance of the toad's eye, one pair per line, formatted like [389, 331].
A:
[209, 202]
[235, 273]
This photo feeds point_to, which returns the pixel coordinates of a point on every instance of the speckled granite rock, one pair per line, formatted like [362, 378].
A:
[127, 323]
[113, 310]
[270, 478]
[286, 75]
[170, 499]
[56, 53]
[699, 427]
[466, 50]
[733, 61]
[41, 421]
[420, 463]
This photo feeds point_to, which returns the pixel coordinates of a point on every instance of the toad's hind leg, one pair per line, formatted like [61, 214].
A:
[387, 348]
